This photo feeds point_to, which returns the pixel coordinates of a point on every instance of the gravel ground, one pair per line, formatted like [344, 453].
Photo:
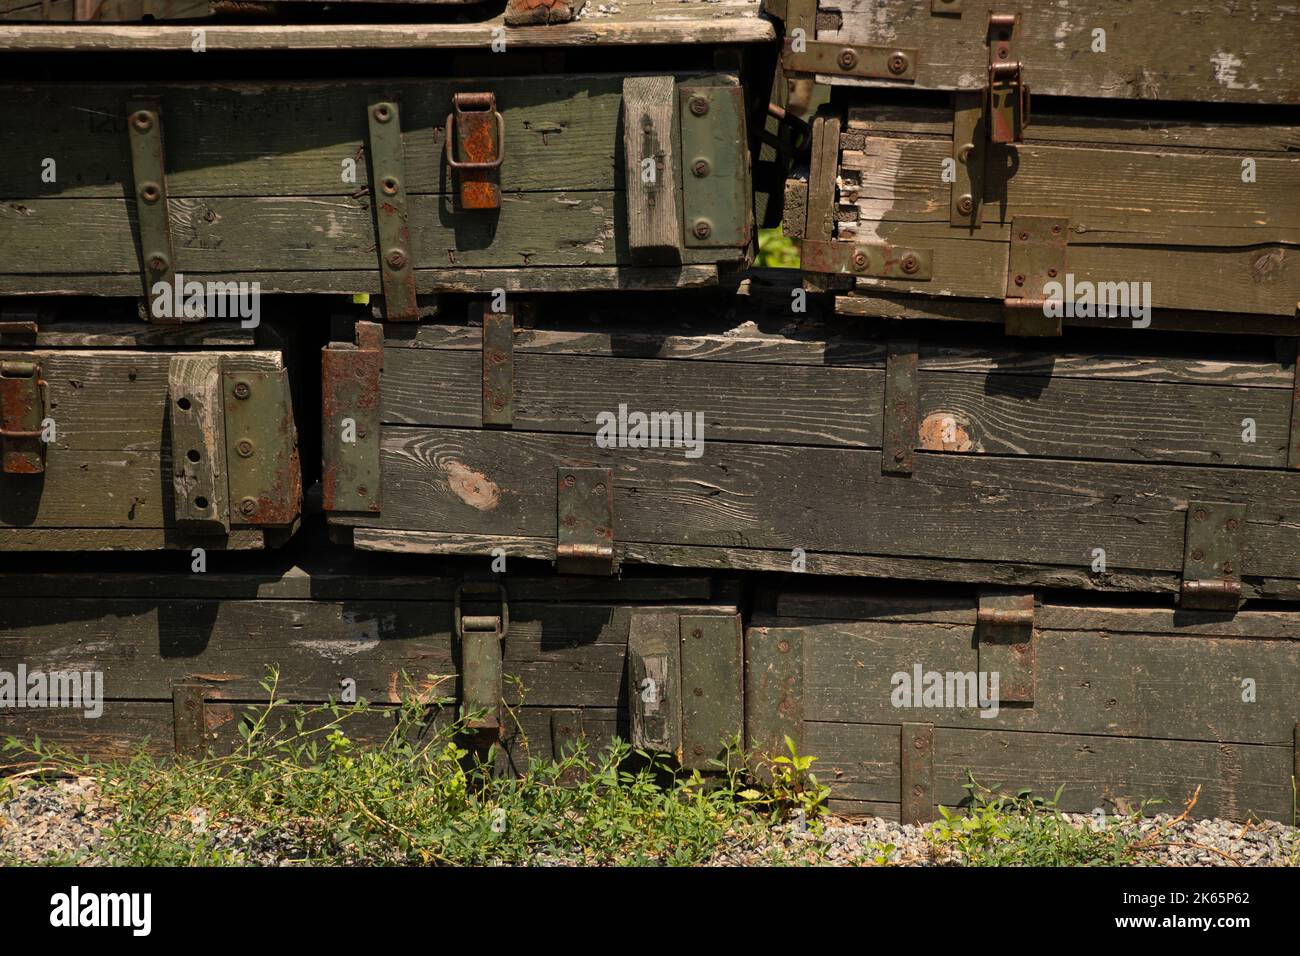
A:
[63, 820]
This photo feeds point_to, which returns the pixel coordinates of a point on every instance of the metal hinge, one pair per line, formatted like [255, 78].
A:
[480, 637]
[1036, 257]
[478, 132]
[23, 399]
[1004, 632]
[585, 521]
[351, 376]
[1212, 556]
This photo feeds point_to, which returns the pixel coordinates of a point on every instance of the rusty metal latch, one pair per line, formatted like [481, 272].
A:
[1007, 94]
[22, 409]
[478, 132]
[480, 637]
[1004, 632]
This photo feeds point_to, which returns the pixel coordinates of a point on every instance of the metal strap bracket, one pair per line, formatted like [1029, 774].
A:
[23, 403]
[1037, 257]
[805, 55]
[392, 225]
[585, 521]
[1212, 556]
[149, 177]
[499, 367]
[351, 381]
[1004, 632]
[898, 446]
[878, 259]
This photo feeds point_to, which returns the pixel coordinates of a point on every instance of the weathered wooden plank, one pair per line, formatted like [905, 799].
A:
[860, 762]
[557, 653]
[778, 497]
[1129, 685]
[1246, 280]
[630, 23]
[736, 336]
[1112, 196]
[306, 138]
[1094, 129]
[1153, 49]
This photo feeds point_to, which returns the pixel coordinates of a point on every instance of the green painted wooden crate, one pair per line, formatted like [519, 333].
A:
[1114, 705]
[146, 437]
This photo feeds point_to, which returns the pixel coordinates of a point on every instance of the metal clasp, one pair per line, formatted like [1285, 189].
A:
[494, 624]
[478, 131]
[22, 409]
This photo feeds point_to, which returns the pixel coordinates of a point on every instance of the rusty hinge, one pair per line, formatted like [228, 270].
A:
[1004, 632]
[478, 132]
[392, 226]
[23, 398]
[481, 637]
[585, 521]
[1212, 556]
[351, 479]
[1008, 94]
[148, 170]
[1036, 258]
[499, 367]
[899, 432]
[879, 259]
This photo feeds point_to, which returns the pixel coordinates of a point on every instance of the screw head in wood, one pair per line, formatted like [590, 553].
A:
[245, 448]
[242, 390]
[702, 229]
[860, 260]
[396, 259]
[910, 264]
[699, 105]
[898, 63]
[248, 507]
[847, 59]
[158, 262]
[383, 113]
[966, 205]
[142, 120]
[700, 168]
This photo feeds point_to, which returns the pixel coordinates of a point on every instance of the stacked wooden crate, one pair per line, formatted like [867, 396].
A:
[772, 502]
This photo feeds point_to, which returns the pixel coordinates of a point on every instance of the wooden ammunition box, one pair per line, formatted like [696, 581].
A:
[126, 436]
[1089, 209]
[1112, 704]
[1098, 463]
[534, 662]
